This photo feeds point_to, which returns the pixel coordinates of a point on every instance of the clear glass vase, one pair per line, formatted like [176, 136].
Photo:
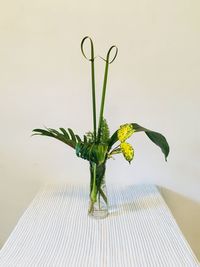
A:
[98, 204]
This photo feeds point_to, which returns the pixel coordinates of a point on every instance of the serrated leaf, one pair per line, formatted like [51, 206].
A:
[105, 132]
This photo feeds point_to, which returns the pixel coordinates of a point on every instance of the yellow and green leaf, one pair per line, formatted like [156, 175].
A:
[127, 151]
[155, 137]
[125, 131]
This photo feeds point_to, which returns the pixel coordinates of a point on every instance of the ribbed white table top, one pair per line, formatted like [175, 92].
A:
[55, 230]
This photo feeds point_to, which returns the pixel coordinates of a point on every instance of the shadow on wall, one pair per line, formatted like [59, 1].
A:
[187, 214]
[14, 200]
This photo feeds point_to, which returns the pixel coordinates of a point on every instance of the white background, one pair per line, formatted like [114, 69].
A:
[45, 81]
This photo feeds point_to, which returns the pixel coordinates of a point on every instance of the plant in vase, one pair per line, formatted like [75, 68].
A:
[98, 145]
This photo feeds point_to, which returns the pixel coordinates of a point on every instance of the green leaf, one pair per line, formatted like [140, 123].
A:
[105, 132]
[160, 141]
[155, 137]
[53, 131]
[92, 152]
[42, 132]
[72, 135]
[89, 137]
[99, 170]
[78, 138]
[71, 140]
[64, 132]
[85, 138]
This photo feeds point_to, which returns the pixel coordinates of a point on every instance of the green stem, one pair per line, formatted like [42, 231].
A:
[99, 199]
[93, 79]
[94, 189]
[103, 195]
[115, 148]
[103, 100]
[108, 61]
[93, 94]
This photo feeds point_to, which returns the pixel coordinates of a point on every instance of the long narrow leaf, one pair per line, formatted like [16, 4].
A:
[72, 135]
[53, 131]
[42, 132]
[64, 132]
[78, 138]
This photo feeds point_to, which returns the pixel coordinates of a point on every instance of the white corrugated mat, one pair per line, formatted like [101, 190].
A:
[55, 230]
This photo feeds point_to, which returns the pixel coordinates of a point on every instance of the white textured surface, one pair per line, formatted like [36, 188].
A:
[56, 231]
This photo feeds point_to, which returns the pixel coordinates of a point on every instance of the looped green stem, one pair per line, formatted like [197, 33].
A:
[108, 55]
[104, 88]
[108, 61]
[92, 48]
[91, 59]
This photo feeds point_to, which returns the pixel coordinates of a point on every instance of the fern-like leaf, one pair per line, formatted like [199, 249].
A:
[66, 136]
[89, 137]
[105, 132]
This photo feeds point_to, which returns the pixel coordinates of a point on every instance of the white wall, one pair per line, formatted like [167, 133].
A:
[45, 80]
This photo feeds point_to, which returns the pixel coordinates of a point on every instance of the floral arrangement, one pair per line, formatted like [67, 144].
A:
[97, 146]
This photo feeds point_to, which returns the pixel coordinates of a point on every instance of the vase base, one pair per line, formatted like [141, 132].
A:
[98, 214]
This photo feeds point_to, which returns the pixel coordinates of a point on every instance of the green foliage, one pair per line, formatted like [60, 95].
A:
[89, 137]
[100, 172]
[92, 152]
[155, 137]
[66, 136]
[105, 132]
[96, 146]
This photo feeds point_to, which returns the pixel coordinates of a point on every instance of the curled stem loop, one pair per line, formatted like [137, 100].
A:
[108, 61]
[92, 57]
[108, 54]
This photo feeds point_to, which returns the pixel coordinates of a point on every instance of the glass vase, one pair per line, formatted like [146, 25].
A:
[98, 204]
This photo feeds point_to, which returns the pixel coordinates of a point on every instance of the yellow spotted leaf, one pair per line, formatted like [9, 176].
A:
[125, 131]
[127, 151]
